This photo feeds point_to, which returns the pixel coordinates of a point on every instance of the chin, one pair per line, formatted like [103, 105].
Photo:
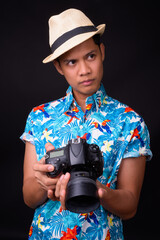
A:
[92, 89]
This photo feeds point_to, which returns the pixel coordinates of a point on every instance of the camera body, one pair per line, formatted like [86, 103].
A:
[85, 164]
[77, 155]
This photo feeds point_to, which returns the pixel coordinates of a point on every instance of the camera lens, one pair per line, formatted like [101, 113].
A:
[82, 195]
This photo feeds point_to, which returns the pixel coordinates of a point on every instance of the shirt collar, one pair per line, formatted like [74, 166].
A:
[97, 98]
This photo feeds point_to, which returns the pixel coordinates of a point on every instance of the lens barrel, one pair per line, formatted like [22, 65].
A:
[81, 196]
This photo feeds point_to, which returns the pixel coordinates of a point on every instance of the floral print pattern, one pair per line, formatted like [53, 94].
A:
[119, 132]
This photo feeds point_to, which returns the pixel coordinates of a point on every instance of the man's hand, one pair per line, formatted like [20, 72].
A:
[55, 187]
[60, 191]
[123, 201]
[41, 169]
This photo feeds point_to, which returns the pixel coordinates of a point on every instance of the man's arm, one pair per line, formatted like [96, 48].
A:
[124, 200]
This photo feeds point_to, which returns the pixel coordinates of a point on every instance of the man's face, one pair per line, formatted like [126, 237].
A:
[82, 67]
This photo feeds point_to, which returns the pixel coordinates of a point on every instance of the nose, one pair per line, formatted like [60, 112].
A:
[84, 68]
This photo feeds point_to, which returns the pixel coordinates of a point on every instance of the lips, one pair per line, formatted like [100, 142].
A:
[87, 82]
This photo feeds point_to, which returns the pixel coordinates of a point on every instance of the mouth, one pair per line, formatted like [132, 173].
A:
[87, 82]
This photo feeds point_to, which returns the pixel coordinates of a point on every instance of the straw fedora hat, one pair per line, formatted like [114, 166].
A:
[67, 30]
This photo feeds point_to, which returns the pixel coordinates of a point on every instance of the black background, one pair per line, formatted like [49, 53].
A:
[130, 75]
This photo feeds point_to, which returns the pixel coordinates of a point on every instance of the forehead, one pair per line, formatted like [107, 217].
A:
[81, 49]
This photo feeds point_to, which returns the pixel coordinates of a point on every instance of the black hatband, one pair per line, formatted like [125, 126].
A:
[66, 36]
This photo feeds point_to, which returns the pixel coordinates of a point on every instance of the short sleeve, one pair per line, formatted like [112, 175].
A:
[139, 144]
[28, 132]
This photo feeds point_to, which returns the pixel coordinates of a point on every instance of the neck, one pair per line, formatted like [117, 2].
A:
[82, 103]
[81, 100]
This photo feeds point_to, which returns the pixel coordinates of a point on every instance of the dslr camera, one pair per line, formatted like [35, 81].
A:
[85, 163]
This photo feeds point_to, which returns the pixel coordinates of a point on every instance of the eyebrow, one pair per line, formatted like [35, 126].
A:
[74, 59]
[93, 51]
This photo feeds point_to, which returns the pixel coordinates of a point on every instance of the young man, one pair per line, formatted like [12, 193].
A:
[85, 112]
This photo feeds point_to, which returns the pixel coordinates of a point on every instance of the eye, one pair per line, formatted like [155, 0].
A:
[91, 56]
[71, 62]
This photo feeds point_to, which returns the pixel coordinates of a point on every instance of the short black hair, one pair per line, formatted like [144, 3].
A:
[97, 39]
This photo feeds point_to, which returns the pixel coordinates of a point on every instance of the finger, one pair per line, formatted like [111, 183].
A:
[62, 199]
[46, 182]
[42, 167]
[58, 186]
[101, 193]
[50, 182]
[51, 195]
[63, 188]
[65, 181]
[49, 147]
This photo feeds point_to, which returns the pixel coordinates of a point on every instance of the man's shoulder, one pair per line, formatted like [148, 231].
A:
[113, 104]
[116, 108]
[49, 109]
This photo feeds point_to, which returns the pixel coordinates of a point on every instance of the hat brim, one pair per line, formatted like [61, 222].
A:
[73, 42]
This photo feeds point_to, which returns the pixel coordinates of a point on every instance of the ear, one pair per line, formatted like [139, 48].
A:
[102, 48]
[58, 66]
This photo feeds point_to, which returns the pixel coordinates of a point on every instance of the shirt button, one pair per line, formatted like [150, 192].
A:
[80, 126]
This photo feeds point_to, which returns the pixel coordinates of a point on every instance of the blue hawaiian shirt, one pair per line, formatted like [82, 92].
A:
[115, 128]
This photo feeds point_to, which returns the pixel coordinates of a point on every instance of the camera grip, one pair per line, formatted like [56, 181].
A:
[56, 163]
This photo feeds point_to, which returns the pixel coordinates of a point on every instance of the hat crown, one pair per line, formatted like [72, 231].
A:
[65, 22]
[69, 29]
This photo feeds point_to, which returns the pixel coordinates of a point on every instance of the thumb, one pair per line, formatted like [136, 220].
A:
[49, 147]
[101, 193]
